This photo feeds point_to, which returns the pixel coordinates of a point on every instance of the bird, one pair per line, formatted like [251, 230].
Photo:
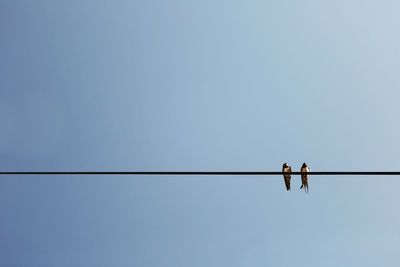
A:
[304, 177]
[286, 177]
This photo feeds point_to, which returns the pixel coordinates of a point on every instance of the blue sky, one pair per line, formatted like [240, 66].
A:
[207, 86]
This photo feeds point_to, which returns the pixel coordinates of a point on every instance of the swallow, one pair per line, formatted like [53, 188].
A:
[304, 177]
[286, 177]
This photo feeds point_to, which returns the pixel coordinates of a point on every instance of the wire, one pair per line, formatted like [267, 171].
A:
[195, 173]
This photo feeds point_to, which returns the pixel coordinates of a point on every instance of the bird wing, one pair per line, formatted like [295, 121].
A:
[304, 176]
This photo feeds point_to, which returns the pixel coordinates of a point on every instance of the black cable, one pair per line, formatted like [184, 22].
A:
[195, 173]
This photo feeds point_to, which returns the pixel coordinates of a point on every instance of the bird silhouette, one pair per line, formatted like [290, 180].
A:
[304, 177]
[287, 177]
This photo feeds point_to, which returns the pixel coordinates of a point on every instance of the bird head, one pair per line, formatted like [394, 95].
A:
[304, 165]
[285, 164]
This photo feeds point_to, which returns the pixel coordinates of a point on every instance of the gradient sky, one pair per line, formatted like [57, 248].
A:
[210, 85]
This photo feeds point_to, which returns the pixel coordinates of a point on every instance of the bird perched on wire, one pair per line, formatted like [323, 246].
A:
[286, 177]
[304, 177]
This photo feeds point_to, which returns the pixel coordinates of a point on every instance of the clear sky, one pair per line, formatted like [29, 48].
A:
[210, 85]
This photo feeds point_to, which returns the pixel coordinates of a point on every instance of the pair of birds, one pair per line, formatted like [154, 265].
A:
[304, 176]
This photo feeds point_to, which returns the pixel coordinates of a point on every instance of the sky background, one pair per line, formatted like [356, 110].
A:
[208, 85]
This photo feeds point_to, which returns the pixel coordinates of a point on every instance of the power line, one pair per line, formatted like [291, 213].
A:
[195, 173]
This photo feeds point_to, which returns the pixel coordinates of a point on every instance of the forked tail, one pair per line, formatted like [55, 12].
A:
[305, 186]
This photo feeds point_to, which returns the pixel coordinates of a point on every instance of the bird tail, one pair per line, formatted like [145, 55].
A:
[286, 179]
[305, 186]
